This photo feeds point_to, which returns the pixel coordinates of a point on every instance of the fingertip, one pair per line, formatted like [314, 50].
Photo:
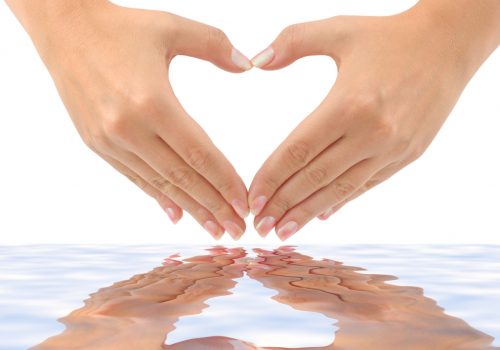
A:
[265, 225]
[172, 214]
[241, 208]
[234, 230]
[326, 215]
[264, 58]
[258, 205]
[288, 230]
[214, 229]
[240, 60]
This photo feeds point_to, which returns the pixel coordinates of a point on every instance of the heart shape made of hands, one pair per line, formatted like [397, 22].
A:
[380, 115]
[353, 141]
[370, 313]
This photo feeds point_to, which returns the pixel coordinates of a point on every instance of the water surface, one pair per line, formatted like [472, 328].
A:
[349, 297]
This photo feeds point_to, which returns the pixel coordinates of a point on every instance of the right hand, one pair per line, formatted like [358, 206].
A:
[110, 65]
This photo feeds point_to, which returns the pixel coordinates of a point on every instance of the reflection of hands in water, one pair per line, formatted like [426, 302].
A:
[371, 314]
[140, 312]
[137, 313]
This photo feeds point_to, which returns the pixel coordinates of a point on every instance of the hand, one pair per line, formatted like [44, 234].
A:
[398, 79]
[141, 312]
[370, 313]
[110, 65]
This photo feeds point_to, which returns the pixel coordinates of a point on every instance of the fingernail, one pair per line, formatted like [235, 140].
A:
[263, 58]
[234, 230]
[241, 208]
[213, 229]
[265, 225]
[241, 60]
[258, 204]
[326, 214]
[288, 230]
[171, 214]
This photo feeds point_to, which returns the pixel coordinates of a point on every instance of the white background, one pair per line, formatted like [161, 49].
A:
[54, 190]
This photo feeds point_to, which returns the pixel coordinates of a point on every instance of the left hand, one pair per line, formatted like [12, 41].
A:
[399, 78]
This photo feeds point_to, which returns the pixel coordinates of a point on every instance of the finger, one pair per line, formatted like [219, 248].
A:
[180, 198]
[326, 215]
[301, 40]
[322, 128]
[335, 193]
[186, 137]
[376, 180]
[320, 172]
[208, 43]
[176, 173]
[173, 211]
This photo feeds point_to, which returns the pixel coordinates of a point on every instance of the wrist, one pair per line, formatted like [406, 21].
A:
[470, 28]
[44, 18]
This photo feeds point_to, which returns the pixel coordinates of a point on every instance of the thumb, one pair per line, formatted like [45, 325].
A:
[297, 41]
[208, 43]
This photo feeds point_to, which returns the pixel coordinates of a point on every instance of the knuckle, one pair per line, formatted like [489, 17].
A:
[169, 26]
[180, 177]
[415, 153]
[138, 182]
[307, 213]
[282, 204]
[198, 158]
[115, 128]
[298, 153]
[370, 184]
[368, 103]
[385, 131]
[147, 106]
[269, 182]
[162, 184]
[402, 145]
[225, 187]
[293, 35]
[342, 189]
[316, 175]
[88, 141]
[215, 207]
[216, 37]
[99, 140]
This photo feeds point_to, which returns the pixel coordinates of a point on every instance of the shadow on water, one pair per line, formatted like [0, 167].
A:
[141, 312]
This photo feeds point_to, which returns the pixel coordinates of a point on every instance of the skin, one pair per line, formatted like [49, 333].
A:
[142, 311]
[399, 78]
[110, 66]
[139, 312]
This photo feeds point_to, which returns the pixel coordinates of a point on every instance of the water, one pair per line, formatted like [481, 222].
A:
[407, 297]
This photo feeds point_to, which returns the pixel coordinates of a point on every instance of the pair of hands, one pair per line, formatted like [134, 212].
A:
[399, 77]
[141, 312]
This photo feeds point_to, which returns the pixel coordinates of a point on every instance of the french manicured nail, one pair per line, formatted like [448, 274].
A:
[171, 214]
[241, 60]
[263, 58]
[288, 230]
[326, 214]
[265, 225]
[241, 208]
[234, 230]
[258, 204]
[213, 229]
